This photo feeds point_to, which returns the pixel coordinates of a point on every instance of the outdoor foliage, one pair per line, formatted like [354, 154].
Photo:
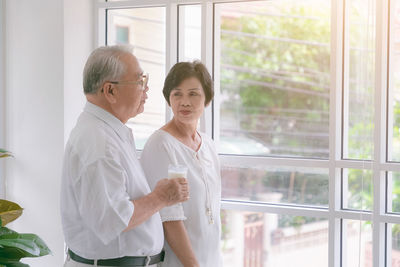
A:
[275, 79]
[275, 86]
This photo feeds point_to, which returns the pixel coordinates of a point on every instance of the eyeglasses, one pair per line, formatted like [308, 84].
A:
[143, 81]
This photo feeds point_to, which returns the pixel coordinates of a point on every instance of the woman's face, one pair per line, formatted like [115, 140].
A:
[187, 100]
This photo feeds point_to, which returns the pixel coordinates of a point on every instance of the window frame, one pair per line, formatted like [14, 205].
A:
[379, 165]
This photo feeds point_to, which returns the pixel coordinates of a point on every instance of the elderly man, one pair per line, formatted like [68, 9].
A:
[110, 217]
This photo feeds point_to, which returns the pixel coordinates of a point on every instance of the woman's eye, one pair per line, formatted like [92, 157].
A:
[176, 94]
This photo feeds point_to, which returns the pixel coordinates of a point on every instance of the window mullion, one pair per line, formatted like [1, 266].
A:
[275, 209]
[239, 160]
[380, 132]
[217, 75]
[133, 3]
[100, 22]
[207, 22]
[335, 131]
[171, 44]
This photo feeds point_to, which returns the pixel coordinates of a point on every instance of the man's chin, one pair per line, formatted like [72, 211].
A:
[140, 110]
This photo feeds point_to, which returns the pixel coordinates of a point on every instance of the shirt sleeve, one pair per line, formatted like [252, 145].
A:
[104, 203]
[156, 151]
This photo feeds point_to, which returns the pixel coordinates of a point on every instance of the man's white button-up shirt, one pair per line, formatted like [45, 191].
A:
[101, 175]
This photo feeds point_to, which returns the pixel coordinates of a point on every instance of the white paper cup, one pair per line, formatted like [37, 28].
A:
[176, 171]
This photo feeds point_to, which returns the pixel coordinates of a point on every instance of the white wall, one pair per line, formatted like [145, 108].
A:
[2, 96]
[47, 42]
[78, 43]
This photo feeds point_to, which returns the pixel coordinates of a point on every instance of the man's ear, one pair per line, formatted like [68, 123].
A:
[109, 91]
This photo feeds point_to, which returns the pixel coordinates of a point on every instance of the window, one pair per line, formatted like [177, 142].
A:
[144, 29]
[189, 34]
[261, 239]
[359, 81]
[394, 82]
[273, 102]
[306, 119]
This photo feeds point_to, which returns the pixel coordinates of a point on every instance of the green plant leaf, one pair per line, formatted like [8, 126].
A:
[12, 264]
[16, 246]
[10, 254]
[17, 264]
[6, 231]
[4, 153]
[9, 211]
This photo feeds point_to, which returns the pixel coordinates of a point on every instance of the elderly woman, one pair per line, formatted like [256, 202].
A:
[192, 229]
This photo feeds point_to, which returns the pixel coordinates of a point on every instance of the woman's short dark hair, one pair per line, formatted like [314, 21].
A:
[184, 70]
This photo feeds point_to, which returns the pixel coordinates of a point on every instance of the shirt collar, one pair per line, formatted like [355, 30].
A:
[121, 129]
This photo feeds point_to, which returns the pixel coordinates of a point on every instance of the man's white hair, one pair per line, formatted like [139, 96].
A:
[104, 64]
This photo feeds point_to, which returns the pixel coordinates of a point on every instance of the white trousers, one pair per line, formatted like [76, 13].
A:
[72, 263]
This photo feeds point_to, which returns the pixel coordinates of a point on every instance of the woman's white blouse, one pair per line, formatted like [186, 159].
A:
[201, 213]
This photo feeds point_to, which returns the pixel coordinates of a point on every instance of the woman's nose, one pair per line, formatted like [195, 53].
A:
[185, 101]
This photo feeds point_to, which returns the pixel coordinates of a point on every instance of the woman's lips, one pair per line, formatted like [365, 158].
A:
[185, 112]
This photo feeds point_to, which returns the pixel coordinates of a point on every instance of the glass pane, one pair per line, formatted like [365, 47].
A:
[289, 185]
[189, 32]
[394, 245]
[359, 79]
[357, 189]
[274, 77]
[144, 29]
[393, 189]
[260, 239]
[394, 104]
[357, 243]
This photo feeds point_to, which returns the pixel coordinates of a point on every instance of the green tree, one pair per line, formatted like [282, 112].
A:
[275, 75]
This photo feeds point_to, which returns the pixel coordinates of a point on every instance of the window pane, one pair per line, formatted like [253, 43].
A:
[393, 189]
[122, 35]
[274, 77]
[357, 189]
[189, 32]
[394, 245]
[394, 104]
[289, 185]
[357, 243]
[145, 31]
[260, 239]
[359, 78]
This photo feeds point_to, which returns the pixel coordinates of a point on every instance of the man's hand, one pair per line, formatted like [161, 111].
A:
[166, 193]
[172, 191]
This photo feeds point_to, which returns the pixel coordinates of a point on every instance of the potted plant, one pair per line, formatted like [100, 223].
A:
[13, 245]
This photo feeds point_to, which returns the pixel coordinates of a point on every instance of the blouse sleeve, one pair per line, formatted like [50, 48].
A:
[155, 158]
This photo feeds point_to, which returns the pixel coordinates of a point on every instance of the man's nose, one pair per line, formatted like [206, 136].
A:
[145, 92]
